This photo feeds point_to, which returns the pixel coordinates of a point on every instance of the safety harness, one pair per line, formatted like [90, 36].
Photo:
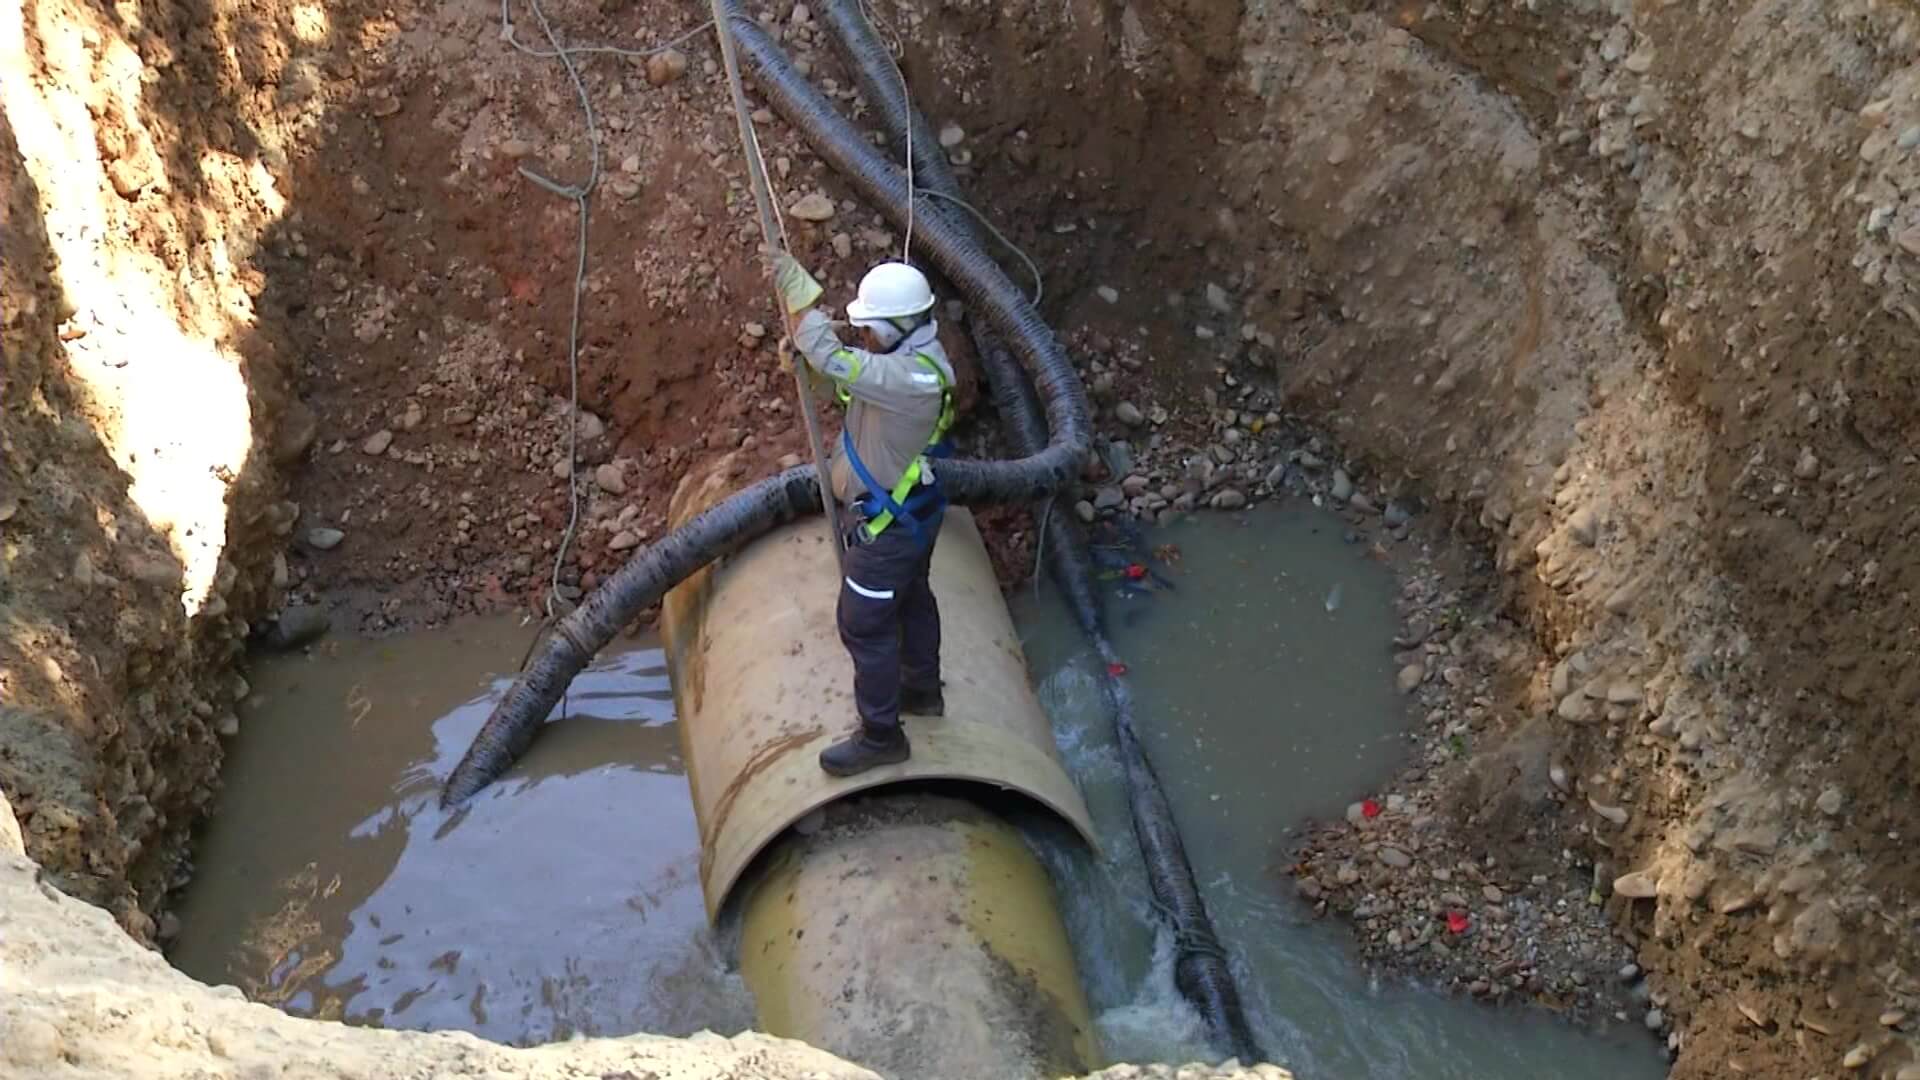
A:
[907, 501]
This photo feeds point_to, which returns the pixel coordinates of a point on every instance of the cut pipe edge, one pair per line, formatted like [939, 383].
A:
[917, 935]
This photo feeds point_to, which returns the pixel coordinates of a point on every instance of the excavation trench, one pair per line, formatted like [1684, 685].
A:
[1466, 275]
[372, 938]
[332, 884]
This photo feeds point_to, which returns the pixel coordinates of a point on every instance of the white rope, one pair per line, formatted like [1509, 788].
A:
[906, 245]
[580, 194]
[1040, 542]
[506, 35]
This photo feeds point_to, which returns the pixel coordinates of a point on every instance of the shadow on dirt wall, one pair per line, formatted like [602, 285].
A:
[112, 697]
[94, 713]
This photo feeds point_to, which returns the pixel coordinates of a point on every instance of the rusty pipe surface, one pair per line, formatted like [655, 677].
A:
[916, 934]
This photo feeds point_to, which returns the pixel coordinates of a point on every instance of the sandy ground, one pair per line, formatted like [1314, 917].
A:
[1594, 323]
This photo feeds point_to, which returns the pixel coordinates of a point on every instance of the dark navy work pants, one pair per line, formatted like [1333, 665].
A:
[889, 620]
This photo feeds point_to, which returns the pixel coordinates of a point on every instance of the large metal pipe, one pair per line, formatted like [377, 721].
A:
[763, 684]
[908, 930]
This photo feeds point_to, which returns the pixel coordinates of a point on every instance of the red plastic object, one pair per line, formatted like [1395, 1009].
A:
[1369, 809]
[1456, 922]
[1136, 571]
[1116, 669]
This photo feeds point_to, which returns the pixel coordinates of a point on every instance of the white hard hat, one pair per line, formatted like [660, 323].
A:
[891, 290]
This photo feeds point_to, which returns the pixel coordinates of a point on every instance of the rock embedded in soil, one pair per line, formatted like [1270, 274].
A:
[377, 443]
[1129, 414]
[1615, 814]
[1620, 601]
[299, 624]
[813, 207]
[1584, 526]
[1394, 857]
[324, 539]
[1228, 499]
[298, 428]
[1342, 486]
[666, 67]
[610, 479]
[1624, 693]
[1639, 885]
[1575, 708]
[1411, 677]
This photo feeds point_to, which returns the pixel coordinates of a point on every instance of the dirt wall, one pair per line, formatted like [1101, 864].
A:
[141, 502]
[1619, 293]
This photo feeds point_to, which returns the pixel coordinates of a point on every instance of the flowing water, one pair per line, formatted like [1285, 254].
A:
[1264, 691]
[566, 899]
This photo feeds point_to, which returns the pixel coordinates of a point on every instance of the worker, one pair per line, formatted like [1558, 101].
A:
[897, 385]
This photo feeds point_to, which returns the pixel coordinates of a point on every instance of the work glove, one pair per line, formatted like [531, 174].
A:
[797, 289]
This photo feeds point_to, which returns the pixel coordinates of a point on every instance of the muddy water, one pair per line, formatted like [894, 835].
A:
[564, 899]
[1265, 691]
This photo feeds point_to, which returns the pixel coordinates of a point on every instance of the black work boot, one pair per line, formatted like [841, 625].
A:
[866, 749]
[923, 702]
